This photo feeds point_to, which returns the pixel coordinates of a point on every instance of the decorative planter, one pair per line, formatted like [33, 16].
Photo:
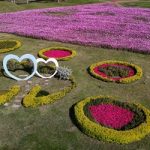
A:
[125, 72]
[106, 119]
[9, 45]
[60, 53]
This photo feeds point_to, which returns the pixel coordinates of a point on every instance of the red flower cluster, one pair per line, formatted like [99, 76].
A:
[57, 53]
[111, 115]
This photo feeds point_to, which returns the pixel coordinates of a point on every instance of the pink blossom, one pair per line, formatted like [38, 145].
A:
[111, 115]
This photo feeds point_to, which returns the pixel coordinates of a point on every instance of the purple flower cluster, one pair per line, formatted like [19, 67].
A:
[93, 24]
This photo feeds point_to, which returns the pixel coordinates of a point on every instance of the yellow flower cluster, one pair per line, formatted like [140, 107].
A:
[107, 134]
[73, 53]
[135, 77]
[31, 100]
[18, 44]
[9, 95]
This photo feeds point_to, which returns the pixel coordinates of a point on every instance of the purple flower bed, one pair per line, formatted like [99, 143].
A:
[95, 24]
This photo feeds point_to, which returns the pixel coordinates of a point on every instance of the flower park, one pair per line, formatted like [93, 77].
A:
[98, 96]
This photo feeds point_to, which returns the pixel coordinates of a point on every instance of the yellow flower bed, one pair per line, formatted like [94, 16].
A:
[9, 95]
[73, 53]
[107, 134]
[137, 76]
[18, 44]
[31, 100]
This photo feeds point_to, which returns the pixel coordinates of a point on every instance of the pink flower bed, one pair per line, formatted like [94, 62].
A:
[100, 25]
[131, 71]
[111, 115]
[57, 53]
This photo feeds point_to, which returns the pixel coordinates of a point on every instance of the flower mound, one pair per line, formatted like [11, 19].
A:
[116, 71]
[60, 53]
[92, 24]
[7, 96]
[33, 100]
[107, 119]
[111, 115]
[9, 45]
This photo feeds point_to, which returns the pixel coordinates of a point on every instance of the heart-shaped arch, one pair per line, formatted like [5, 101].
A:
[26, 56]
[53, 60]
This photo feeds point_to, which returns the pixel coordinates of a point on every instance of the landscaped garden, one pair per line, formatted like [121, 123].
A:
[99, 97]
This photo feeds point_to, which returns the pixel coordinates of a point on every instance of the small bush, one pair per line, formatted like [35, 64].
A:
[64, 73]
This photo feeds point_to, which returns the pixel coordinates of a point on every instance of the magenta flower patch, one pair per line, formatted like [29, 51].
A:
[111, 115]
[93, 24]
[57, 53]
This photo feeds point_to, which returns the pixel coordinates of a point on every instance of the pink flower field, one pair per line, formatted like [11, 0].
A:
[99, 25]
[111, 115]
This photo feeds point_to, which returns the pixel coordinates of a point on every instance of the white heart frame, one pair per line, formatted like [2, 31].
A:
[26, 56]
[53, 60]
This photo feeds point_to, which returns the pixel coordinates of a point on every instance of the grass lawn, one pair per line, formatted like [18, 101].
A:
[139, 3]
[6, 6]
[50, 127]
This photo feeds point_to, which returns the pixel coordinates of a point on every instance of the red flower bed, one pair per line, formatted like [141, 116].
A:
[57, 53]
[131, 71]
[111, 115]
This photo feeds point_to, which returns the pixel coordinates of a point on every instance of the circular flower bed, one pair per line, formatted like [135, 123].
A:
[9, 45]
[60, 53]
[116, 71]
[110, 120]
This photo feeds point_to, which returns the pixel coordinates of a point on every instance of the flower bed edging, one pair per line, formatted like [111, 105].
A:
[30, 100]
[18, 44]
[137, 76]
[99, 132]
[9, 95]
[73, 52]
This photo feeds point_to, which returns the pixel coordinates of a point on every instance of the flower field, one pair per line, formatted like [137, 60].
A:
[99, 98]
[95, 24]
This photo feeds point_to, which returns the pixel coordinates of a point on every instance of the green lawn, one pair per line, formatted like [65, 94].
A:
[140, 3]
[6, 6]
[50, 127]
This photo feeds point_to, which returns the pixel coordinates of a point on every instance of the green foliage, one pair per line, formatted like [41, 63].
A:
[5, 97]
[45, 69]
[42, 93]
[114, 71]
[141, 3]
[7, 44]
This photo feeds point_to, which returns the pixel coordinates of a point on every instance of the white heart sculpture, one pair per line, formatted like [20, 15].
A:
[53, 60]
[26, 56]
